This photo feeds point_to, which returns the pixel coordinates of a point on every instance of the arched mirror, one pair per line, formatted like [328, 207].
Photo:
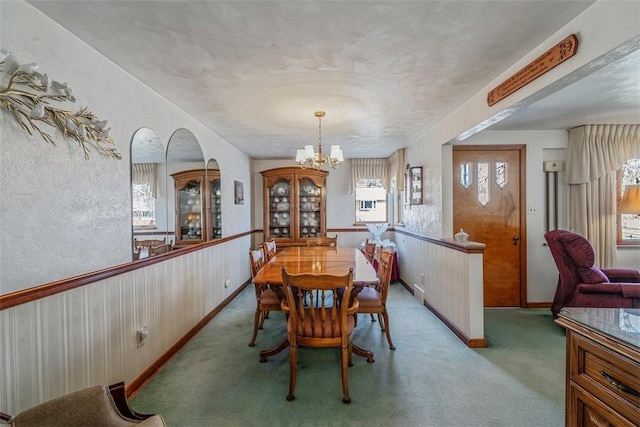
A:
[187, 185]
[148, 191]
[215, 196]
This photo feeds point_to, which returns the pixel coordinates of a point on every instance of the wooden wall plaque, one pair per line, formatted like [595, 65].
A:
[545, 62]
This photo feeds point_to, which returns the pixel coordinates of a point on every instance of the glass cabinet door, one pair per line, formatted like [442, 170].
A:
[280, 209]
[216, 210]
[309, 207]
[190, 211]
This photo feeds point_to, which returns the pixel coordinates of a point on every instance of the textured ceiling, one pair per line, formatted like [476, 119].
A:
[255, 71]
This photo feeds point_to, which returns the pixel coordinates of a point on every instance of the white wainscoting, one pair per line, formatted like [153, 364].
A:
[451, 279]
[450, 275]
[88, 335]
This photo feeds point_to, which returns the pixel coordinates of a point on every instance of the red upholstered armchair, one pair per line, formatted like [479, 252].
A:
[581, 284]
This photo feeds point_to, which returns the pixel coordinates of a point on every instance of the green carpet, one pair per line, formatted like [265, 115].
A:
[432, 379]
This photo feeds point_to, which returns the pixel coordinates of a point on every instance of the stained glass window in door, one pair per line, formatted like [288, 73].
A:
[466, 174]
[501, 174]
[483, 183]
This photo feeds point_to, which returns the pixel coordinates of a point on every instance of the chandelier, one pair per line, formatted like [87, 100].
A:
[307, 158]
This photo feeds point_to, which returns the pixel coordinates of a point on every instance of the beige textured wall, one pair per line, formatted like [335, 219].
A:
[62, 215]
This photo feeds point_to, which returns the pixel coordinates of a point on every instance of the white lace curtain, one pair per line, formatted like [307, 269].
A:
[369, 169]
[145, 173]
[594, 154]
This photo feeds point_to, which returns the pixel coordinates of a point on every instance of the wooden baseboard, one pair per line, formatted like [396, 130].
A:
[470, 342]
[407, 287]
[538, 305]
[148, 373]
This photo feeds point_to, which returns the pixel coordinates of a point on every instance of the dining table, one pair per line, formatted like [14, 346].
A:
[317, 260]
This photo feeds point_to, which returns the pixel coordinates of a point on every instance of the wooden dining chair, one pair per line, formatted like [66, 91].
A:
[374, 300]
[270, 249]
[370, 251]
[148, 242]
[267, 299]
[160, 249]
[327, 321]
[322, 241]
[370, 254]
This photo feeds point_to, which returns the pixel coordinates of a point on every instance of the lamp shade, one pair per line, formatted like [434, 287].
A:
[630, 203]
[336, 153]
[308, 151]
[300, 156]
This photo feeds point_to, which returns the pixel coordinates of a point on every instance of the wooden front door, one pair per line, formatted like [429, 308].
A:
[488, 204]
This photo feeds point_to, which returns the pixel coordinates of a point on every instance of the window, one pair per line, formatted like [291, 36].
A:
[371, 201]
[628, 225]
[367, 204]
[144, 207]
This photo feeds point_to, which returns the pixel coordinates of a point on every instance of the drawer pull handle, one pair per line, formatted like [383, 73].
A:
[614, 383]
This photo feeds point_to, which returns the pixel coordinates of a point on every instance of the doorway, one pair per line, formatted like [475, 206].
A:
[488, 203]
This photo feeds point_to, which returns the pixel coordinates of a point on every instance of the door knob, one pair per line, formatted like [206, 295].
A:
[515, 240]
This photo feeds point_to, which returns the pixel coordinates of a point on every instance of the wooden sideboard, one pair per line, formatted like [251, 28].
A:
[603, 366]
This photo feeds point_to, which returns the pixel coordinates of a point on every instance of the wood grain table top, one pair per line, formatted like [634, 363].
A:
[318, 260]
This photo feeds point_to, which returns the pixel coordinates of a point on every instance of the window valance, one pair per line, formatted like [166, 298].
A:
[368, 169]
[596, 150]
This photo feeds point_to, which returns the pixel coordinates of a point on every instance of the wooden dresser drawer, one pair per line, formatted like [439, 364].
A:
[588, 411]
[608, 375]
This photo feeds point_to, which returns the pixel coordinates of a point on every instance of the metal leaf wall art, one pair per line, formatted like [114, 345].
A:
[31, 97]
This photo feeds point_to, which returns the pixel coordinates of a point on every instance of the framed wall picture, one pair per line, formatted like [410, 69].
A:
[238, 189]
[413, 185]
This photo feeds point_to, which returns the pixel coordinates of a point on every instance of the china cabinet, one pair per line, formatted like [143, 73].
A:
[198, 210]
[294, 204]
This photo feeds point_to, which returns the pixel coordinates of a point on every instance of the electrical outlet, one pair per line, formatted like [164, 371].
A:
[533, 210]
[143, 334]
[227, 282]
